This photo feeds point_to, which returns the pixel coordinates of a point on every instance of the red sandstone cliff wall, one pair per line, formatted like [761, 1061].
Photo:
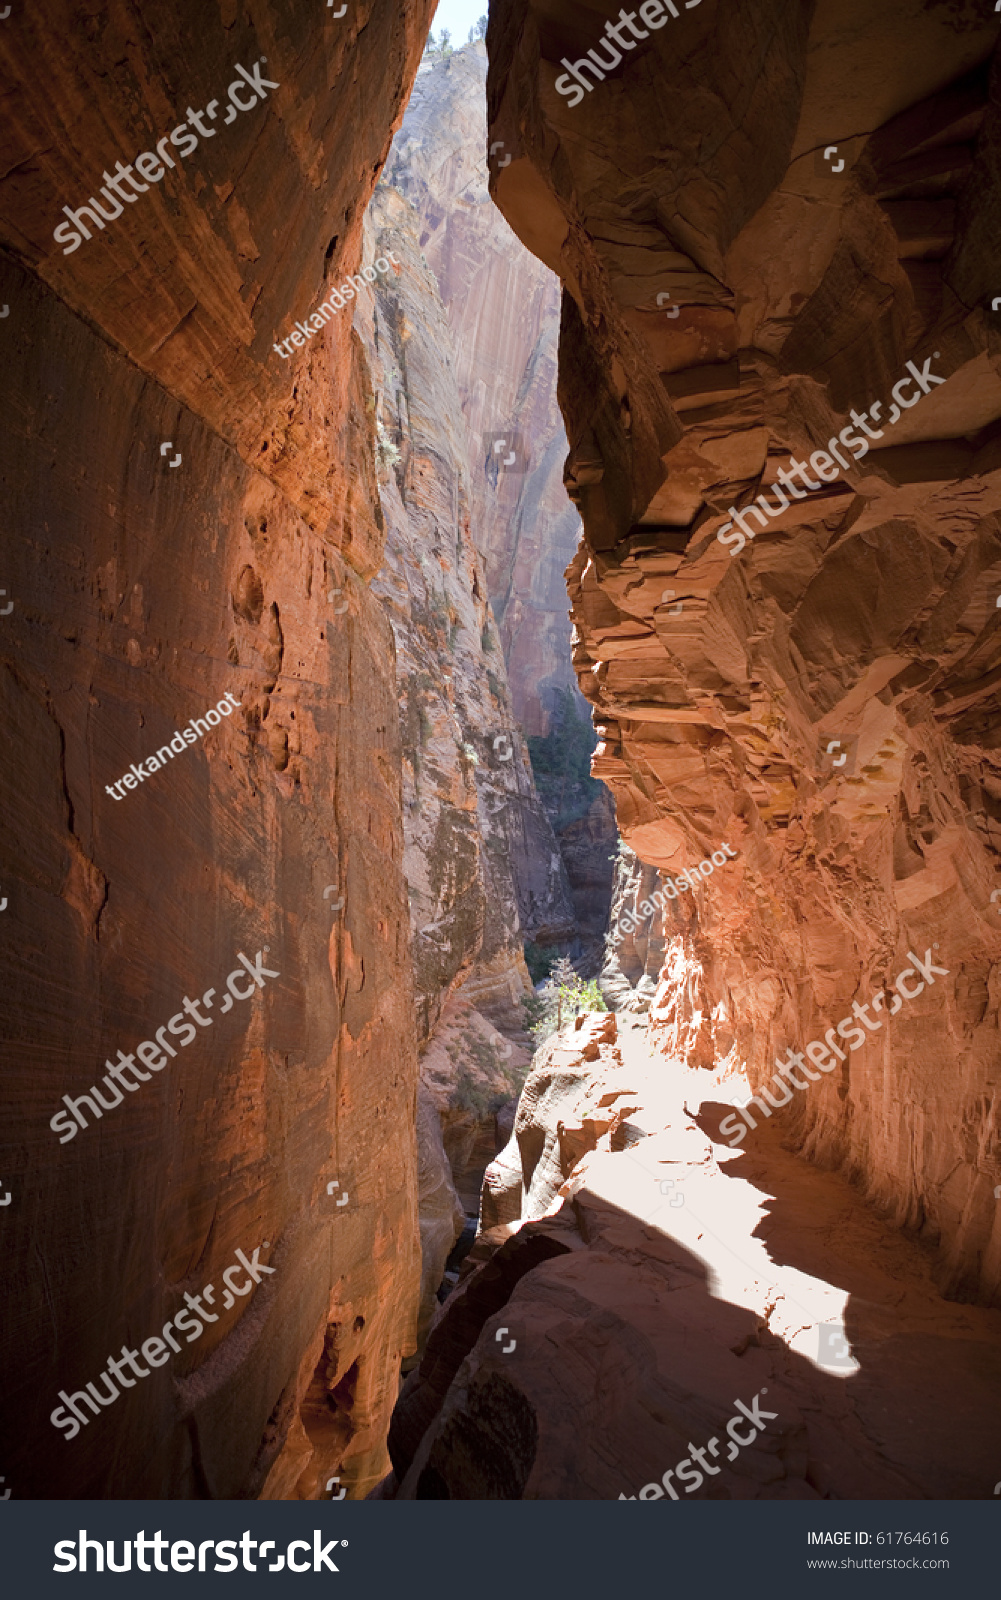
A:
[693, 179]
[142, 592]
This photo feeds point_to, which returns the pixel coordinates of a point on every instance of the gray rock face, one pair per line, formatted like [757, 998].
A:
[503, 310]
[529, 1172]
[441, 1215]
[478, 845]
[634, 953]
[483, 868]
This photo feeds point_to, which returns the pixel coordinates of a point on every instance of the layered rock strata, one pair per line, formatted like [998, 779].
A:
[503, 310]
[483, 869]
[473, 817]
[143, 588]
[771, 228]
[582, 815]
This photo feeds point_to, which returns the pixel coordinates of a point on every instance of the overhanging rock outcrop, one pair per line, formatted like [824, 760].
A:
[776, 232]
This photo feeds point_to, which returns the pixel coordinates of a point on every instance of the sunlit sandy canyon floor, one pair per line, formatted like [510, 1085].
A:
[636, 1341]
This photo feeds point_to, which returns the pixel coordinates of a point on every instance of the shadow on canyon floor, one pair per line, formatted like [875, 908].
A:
[599, 1347]
[929, 1368]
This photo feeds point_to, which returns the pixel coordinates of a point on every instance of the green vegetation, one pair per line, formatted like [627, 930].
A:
[415, 724]
[387, 452]
[561, 763]
[539, 959]
[471, 1093]
[441, 48]
[563, 996]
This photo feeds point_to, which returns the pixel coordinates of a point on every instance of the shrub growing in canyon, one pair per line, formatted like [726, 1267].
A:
[485, 1084]
[562, 997]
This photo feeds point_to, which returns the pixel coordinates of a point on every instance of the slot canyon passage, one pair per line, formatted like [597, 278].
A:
[590, 329]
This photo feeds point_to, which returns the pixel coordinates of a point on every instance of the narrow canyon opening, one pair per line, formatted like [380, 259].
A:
[503, 797]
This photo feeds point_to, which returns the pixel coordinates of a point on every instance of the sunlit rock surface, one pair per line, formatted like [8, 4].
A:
[635, 949]
[503, 312]
[827, 697]
[647, 1281]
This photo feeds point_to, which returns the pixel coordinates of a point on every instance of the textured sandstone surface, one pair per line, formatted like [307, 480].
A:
[503, 312]
[650, 1279]
[645, 1276]
[478, 845]
[863, 617]
[141, 594]
[473, 1074]
[479, 852]
[635, 954]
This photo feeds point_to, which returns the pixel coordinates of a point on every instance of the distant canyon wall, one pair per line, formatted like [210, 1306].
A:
[478, 846]
[484, 872]
[503, 312]
[501, 309]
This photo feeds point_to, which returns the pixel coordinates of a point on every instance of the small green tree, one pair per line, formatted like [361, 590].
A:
[478, 30]
[562, 997]
[438, 49]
